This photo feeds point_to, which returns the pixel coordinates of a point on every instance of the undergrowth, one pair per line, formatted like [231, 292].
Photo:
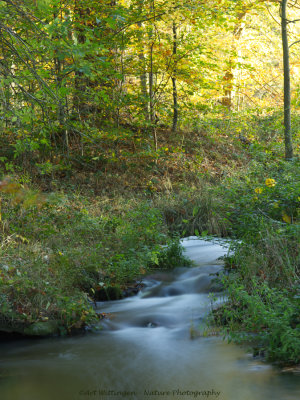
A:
[55, 257]
[261, 208]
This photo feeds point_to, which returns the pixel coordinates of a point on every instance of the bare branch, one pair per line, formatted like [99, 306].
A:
[272, 15]
[298, 41]
[24, 91]
[26, 14]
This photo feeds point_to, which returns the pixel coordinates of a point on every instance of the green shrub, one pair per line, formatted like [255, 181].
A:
[261, 209]
[265, 192]
[266, 317]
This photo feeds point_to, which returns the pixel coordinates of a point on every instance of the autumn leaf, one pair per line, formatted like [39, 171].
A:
[286, 218]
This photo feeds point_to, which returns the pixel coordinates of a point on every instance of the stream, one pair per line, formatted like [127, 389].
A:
[145, 349]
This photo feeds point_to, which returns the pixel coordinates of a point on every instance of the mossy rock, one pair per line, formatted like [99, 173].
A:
[109, 293]
[47, 328]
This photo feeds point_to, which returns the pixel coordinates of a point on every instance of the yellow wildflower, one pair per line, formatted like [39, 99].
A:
[270, 182]
[258, 190]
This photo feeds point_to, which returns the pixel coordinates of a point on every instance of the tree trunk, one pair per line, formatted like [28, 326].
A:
[287, 83]
[143, 81]
[151, 81]
[229, 74]
[143, 75]
[151, 93]
[153, 117]
[80, 84]
[175, 99]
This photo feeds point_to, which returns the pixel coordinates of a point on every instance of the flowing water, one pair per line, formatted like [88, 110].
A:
[145, 349]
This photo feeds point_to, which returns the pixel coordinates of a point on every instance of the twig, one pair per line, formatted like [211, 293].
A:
[298, 41]
[273, 220]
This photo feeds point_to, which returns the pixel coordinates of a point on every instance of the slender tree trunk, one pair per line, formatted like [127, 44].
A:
[151, 81]
[61, 111]
[287, 83]
[143, 81]
[229, 74]
[175, 98]
[80, 84]
[143, 75]
[151, 94]
[153, 118]
[151, 73]
[151, 99]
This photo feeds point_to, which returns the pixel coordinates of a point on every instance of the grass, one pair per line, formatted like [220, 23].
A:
[57, 256]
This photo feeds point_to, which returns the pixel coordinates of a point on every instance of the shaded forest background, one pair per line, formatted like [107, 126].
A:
[104, 85]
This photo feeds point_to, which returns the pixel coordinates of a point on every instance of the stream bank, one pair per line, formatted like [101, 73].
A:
[145, 349]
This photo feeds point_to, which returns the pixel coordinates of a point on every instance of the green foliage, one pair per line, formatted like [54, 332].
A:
[71, 70]
[267, 192]
[57, 254]
[268, 318]
[261, 208]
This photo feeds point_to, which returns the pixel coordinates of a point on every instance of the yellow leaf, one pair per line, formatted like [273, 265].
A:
[286, 218]
[22, 238]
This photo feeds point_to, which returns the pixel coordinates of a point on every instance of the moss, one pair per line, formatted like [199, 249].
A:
[47, 328]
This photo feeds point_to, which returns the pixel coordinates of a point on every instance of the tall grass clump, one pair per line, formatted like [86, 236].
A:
[192, 212]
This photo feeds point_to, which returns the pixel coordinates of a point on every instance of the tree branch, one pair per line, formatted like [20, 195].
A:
[298, 41]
